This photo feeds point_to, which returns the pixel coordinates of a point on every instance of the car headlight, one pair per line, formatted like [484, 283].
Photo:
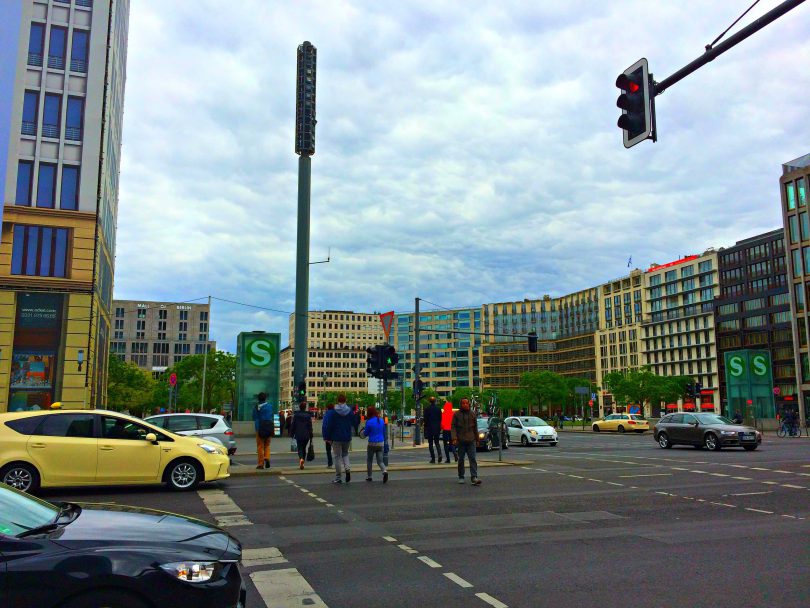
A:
[209, 448]
[533, 432]
[192, 572]
[481, 435]
[728, 432]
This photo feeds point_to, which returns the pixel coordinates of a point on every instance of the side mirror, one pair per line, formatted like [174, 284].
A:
[696, 423]
[151, 438]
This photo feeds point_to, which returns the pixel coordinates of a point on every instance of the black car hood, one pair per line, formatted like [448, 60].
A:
[106, 525]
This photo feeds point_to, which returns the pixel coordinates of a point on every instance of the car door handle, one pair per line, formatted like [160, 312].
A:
[38, 445]
[106, 448]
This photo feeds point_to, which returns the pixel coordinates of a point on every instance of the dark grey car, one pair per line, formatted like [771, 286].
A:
[704, 430]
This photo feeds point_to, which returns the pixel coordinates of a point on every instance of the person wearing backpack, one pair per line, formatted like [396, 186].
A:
[301, 430]
[263, 421]
[374, 431]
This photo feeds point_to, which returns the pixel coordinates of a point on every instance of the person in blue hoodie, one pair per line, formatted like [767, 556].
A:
[338, 427]
[374, 431]
[263, 422]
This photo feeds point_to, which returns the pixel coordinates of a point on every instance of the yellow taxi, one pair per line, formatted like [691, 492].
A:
[98, 447]
[622, 423]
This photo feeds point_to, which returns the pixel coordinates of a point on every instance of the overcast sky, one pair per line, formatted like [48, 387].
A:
[466, 152]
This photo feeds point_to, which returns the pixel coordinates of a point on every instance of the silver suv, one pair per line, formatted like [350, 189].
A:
[210, 426]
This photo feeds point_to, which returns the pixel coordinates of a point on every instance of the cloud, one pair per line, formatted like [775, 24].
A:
[464, 156]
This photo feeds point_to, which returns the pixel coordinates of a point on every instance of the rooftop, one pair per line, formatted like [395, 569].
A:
[798, 163]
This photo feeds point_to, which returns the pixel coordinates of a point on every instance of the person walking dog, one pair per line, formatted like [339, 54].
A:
[374, 431]
[301, 429]
[338, 425]
[464, 430]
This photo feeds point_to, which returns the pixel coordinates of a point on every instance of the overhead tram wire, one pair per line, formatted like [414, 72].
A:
[137, 309]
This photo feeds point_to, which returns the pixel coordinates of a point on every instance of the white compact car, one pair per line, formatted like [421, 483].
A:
[530, 430]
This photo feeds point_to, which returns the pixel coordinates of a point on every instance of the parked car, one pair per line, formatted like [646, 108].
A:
[71, 555]
[621, 423]
[530, 430]
[704, 430]
[488, 438]
[209, 426]
[98, 447]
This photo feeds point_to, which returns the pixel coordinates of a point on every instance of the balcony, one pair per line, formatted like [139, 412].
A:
[55, 62]
[29, 128]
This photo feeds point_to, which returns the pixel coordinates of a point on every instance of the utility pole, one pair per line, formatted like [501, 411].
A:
[305, 148]
[417, 383]
[205, 362]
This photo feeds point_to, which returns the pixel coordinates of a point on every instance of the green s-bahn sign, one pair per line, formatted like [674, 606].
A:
[749, 377]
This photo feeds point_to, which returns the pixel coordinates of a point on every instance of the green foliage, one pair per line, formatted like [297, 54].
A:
[644, 386]
[128, 387]
[544, 388]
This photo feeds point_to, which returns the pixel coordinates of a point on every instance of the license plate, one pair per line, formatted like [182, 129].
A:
[750, 436]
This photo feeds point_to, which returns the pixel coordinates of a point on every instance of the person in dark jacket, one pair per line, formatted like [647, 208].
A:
[432, 422]
[464, 431]
[263, 421]
[327, 443]
[374, 431]
[338, 425]
[301, 429]
[356, 421]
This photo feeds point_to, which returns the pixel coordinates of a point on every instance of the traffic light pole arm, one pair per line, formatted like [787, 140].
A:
[713, 52]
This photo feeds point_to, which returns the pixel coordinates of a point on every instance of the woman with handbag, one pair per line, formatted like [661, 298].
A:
[375, 432]
[301, 430]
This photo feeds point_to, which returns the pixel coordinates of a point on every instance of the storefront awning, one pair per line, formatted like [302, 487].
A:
[672, 406]
[707, 406]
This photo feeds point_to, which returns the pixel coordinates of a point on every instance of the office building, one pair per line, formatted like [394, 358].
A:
[449, 360]
[793, 186]
[337, 341]
[61, 109]
[156, 335]
[752, 311]
[565, 327]
[679, 332]
[618, 340]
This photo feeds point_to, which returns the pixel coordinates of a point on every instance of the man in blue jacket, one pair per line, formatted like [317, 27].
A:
[338, 427]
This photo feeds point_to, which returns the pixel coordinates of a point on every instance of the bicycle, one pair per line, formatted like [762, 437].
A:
[789, 429]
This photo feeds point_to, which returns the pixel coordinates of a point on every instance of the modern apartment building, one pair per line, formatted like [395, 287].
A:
[679, 332]
[565, 327]
[752, 311]
[156, 335]
[62, 74]
[619, 337]
[793, 186]
[449, 360]
[337, 341]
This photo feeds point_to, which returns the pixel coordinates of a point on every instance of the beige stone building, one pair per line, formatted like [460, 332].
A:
[619, 341]
[678, 326]
[337, 341]
[156, 335]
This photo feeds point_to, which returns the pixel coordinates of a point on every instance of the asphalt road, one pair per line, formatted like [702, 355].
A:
[600, 520]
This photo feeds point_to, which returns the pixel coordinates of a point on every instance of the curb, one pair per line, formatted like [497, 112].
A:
[402, 467]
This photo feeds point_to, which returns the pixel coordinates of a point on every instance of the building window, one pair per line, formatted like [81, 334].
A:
[184, 315]
[805, 226]
[802, 191]
[757, 321]
[119, 312]
[69, 197]
[84, 3]
[793, 229]
[29, 117]
[705, 266]
[163, 314]
[46, 185]
[25, 179]
[790, 196]
[799, 298]
[56, 48]
[78, 51]
[806, 251]
[36, 39]
[181, 336]
[51, 114]
[74, 120]
[39, 251]
[203, 315]
[797, 263]
[203, 337]
[203, 326]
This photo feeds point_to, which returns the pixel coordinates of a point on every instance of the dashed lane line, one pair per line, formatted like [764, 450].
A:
[751, 493]
[486, 597]
[724, 504]
[428, 561]
[743, 478]
[407, 549]
[390, 539]
[790, 485]
[457, 580]
[265, 556]
[648, 475]
[758, 510]
[285, 588]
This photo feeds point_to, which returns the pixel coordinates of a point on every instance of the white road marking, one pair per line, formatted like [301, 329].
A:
[613, 483]
[679, 469]
[390, 539]
[262, 557]
[648, 475]
[758, 511]
[696, 471]
[724, 504]
[719, 474]
[790, 516]
[576, 476]
[304, 490]
[751, 493]
[759, 469]
[227, 521]
[457, 580]
[687, 497]
[596, 480]
[738, 466]
[428, 561]
[486, 597]
[662, 493]
[319, 499]
[407, 549]
[285, 589]
[771, 483]
[218, 502]
[742, 478]
[785, 472]
[788, 485]
[312, 494]
[281, 477]
[329, 504]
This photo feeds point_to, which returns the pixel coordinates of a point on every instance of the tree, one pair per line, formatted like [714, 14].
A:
[128, 386]
[220, 382]
[546, 388]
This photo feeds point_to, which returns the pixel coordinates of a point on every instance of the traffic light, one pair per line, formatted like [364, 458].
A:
[690, 390]
[636, 103]
[372, 360]
[391, 356]
[532, 341]
[698, 388]
[301, 391]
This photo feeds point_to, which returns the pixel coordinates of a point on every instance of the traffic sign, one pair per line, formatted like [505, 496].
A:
[590, 402]
[387, 320]
[173, 379]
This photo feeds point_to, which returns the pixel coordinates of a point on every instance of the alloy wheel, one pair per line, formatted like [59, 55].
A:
[184, 475]
[19, 478]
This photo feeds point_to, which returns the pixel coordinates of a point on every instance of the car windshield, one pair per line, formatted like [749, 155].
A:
[533, 421]
[712, 419]
[20, 512]
[483, 423]
[636, 417]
